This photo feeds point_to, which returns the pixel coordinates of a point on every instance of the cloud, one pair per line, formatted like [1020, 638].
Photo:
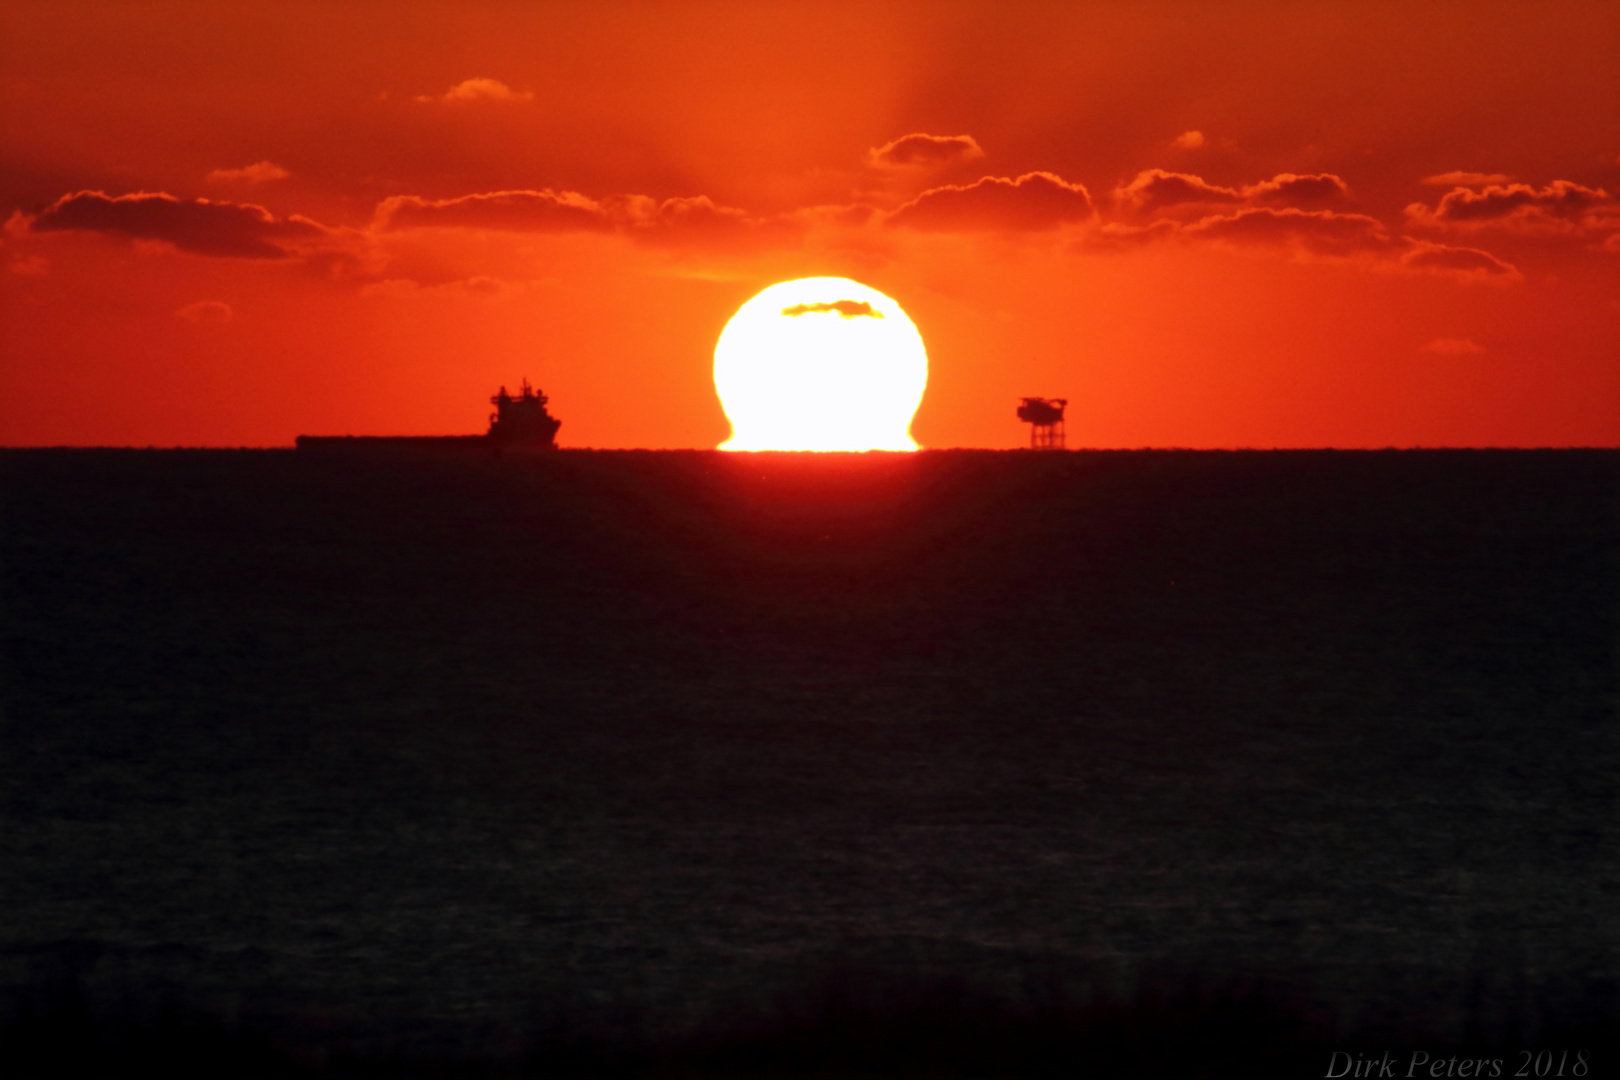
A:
[518, 211]
[699, 222]
[692, 218]
[1311, 213]
[207, 313]
[260, 172]
[1314, 233]
[695, 221]
[1319, 231]
[478, 90]
[29, 266]
[846, 309]
[1153, 191]
[924, 151]
[1465, 179]
[200, 226]
[1466, 263]
[1561, 206]
[1188, 140]
[1451, 346]
[1119, 236]
[1037, 200]
[1320, 190]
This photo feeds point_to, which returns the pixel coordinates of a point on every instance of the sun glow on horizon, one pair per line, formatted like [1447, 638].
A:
[820, 363]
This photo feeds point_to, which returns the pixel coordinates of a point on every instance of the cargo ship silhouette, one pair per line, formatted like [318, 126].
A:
[519, 422]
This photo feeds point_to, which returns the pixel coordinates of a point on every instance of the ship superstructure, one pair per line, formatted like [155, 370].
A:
[522, 421]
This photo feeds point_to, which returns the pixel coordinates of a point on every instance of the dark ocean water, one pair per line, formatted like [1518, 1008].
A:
[975, 762]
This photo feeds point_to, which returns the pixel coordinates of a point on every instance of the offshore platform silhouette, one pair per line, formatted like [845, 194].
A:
[518, 423]
[1045, 419]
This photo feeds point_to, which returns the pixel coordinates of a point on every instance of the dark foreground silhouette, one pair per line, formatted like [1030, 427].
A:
[519, 422]
[957, 763]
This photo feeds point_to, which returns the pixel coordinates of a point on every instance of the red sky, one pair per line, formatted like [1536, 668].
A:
[1206, 224]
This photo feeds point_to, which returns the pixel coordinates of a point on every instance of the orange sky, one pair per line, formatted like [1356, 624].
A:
[1206, 224]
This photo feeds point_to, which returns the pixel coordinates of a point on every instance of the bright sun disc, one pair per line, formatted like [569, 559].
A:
[820, 364]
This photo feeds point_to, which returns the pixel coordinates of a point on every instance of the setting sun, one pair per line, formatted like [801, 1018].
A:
[820, 364]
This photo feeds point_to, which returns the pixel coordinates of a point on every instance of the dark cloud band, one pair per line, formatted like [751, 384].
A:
[1562, 202]
[200, 226]
[1154, 191]
[913, 151]
[845, 309]
[522, 211]
[1034, 201]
